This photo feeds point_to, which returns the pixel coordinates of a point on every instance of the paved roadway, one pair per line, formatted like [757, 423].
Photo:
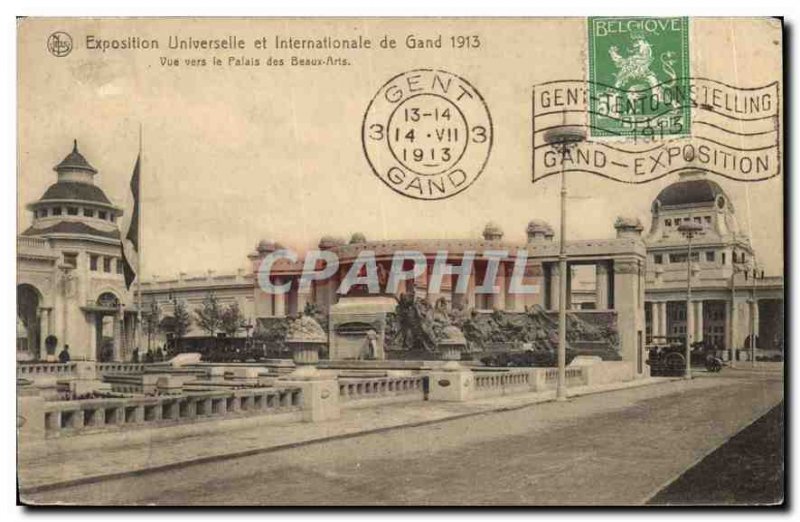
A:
[616, 448]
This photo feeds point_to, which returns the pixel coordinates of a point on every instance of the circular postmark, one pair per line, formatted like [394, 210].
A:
[427, 134]
[59, 44]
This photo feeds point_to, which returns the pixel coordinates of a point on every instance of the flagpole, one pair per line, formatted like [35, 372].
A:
[139, 254]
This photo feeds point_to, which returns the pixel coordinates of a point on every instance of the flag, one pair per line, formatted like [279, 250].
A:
[130, 243]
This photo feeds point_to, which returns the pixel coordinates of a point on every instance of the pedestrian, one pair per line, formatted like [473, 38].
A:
[63, 357]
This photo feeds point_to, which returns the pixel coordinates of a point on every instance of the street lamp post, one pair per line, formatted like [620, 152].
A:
[562, 139]
[737, 268]
[753, 307]
[174, 299]
[689, 229]
[732, 320]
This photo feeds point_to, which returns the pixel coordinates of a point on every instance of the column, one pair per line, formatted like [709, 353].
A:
[555, 285]
[729, 322]
[320, 294]
[469, 298]
[333, 287]
[421, 285]
[499, 299]
[432, 297]
[92, 333]
[279, 301]
[630, 312]
[699, 321]
[757, 318]
[514, 302]
[655, 325]
[118, 326]
[45, 331]
[663, 318]
[302, 299]
[655, 319]
[601, 286]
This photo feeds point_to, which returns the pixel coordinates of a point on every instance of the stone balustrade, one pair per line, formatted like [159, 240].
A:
[577, 376]
[380, 389]
[32, 242]
[78, 417]
[54, 371]
[119, 368]
[528, 379]
[464, 385]
[34, 370]
[502, 380]
[180, 396]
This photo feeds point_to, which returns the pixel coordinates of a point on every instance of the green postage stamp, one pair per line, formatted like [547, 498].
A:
[639, 77]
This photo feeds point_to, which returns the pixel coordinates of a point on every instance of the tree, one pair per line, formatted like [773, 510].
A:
[209, 316]
[151, 322]
[231, 319]
[272, 332]
[177, 325]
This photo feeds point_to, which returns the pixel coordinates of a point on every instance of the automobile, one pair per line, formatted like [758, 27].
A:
[667, 356]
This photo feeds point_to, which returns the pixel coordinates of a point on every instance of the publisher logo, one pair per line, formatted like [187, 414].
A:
[59, 44]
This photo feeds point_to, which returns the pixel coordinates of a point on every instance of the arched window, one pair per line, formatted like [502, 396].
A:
[108, 300]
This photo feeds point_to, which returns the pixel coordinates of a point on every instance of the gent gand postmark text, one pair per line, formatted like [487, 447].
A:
[427, 134]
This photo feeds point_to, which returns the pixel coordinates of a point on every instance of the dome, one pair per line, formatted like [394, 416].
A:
[76, 191]
[453, 336]
[328, 242]
[75, 161]
[72, 227]
[358, 237]
[492, 232]
[266, 245]
[305, 329]
[75, 184]
[537, 226]
[629, 223]
[689, 192]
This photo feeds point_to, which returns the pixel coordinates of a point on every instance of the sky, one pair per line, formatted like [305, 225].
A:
[232, 155]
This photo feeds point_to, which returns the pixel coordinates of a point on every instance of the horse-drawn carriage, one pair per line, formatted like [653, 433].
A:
[667, 356]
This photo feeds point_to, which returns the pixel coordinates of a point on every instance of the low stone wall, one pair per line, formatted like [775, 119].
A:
[80, 417]
[522, 380]
[576, 376]
[45, 373]
[118, 368]
[503, 382]
[176, 401]
[607, 372]
[38, 372]
[372, 391]
[464, 384]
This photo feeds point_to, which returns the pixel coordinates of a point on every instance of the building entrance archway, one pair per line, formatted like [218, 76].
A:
[29, 331]
[108, 334]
